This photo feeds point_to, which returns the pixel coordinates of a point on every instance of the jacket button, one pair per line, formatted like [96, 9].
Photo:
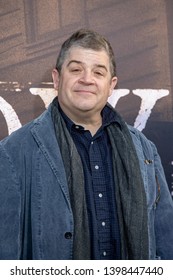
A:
[68, 235]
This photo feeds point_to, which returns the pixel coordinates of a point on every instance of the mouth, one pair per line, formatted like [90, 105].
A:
[84, 91]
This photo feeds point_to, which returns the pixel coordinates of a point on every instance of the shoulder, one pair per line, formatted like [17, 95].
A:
[141, 141]
[24, 134]
[138, 135]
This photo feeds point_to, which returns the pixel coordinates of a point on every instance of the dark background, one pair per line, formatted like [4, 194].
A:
[140, 32]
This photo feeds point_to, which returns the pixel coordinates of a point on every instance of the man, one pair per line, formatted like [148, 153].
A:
[77, 182]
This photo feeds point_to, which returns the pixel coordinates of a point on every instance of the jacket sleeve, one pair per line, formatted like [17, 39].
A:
[10, 202]
[163, 212]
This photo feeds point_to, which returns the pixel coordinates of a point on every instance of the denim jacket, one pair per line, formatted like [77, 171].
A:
[36, 220]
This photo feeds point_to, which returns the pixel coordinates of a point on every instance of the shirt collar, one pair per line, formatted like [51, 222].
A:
[109, 116]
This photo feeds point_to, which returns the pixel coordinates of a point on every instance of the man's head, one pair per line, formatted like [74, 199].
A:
[86, 39]
[84, 76]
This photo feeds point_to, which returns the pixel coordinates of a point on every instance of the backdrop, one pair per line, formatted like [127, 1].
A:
[140, 32]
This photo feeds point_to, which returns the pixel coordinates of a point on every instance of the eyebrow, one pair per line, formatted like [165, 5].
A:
[95, 65]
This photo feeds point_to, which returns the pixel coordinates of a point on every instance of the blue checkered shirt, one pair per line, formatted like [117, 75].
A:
[96, 155]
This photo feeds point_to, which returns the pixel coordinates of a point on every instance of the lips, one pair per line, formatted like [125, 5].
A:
[84, 91]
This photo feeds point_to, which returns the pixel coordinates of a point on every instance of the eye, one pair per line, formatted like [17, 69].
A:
[75, 70]
[99, 73]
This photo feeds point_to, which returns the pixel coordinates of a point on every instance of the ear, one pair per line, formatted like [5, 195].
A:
[55, 77]
[114, 81]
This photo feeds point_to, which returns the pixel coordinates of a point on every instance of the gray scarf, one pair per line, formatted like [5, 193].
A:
[75, 180]
[130, 194]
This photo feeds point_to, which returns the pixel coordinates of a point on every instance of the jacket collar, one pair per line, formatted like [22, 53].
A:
[44, 134]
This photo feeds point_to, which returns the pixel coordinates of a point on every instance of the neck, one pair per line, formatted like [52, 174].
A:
[91, 124]
[87, 120]
[93, 128]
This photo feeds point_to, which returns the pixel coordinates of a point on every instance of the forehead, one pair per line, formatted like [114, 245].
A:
[87, 56]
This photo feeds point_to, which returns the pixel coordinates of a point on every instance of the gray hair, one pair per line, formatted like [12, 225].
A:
[87, 39]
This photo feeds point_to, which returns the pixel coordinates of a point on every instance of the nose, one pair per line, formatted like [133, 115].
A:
[86, 77]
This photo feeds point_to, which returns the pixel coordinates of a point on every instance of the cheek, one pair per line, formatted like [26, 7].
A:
[66, 89]
[108, 90]
[68, 83]
[63, 86]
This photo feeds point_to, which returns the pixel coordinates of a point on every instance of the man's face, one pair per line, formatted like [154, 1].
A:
[85, 82]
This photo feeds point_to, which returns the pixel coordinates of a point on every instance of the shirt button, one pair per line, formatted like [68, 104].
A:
[68, 235]
[104, 253]
[92, 143]
[77, 127]
[96, 167]
[103, 224]
[100, 195]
